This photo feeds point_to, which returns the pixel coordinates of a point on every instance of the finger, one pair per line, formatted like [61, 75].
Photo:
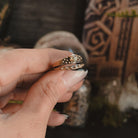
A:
[18, 62]
[66, 97]
[76, 87]
[56, 119]
[11, 108]
[20, 94]
[17, 94]
[24, 82]
[4, 90]
[46, 92]
[4, 100]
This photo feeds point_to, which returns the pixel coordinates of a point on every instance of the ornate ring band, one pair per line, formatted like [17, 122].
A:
[72, 62]
[73, 67]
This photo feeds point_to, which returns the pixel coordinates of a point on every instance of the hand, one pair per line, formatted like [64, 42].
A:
[22, 77]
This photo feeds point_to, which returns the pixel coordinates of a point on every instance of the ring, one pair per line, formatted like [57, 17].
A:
[72, 62]
[73, 67]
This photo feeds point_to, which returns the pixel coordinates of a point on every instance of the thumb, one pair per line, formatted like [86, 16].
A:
[45, 93]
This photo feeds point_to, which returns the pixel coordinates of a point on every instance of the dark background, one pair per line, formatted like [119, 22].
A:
[31, 19]
[129, 130]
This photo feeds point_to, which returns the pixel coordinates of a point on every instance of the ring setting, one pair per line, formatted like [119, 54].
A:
[73, 62]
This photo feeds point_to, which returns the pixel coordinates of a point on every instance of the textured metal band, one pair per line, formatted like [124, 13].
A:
[72, 62]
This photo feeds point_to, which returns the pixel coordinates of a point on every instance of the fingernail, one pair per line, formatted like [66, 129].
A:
[70, 78]
[66, 116]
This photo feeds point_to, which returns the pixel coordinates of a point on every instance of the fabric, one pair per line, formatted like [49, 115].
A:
[110, 36]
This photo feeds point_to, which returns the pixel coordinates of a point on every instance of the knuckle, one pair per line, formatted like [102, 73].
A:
[53, 89]
[49, 90]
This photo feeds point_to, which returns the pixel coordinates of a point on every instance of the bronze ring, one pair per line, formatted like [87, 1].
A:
[72, 62]
[73, 67]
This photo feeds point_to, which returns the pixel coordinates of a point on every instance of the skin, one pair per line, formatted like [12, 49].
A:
[24, 76]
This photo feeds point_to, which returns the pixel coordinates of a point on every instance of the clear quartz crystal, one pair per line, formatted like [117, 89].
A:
[77, 107]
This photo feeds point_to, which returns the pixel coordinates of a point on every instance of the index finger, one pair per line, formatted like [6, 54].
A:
[18, 62]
